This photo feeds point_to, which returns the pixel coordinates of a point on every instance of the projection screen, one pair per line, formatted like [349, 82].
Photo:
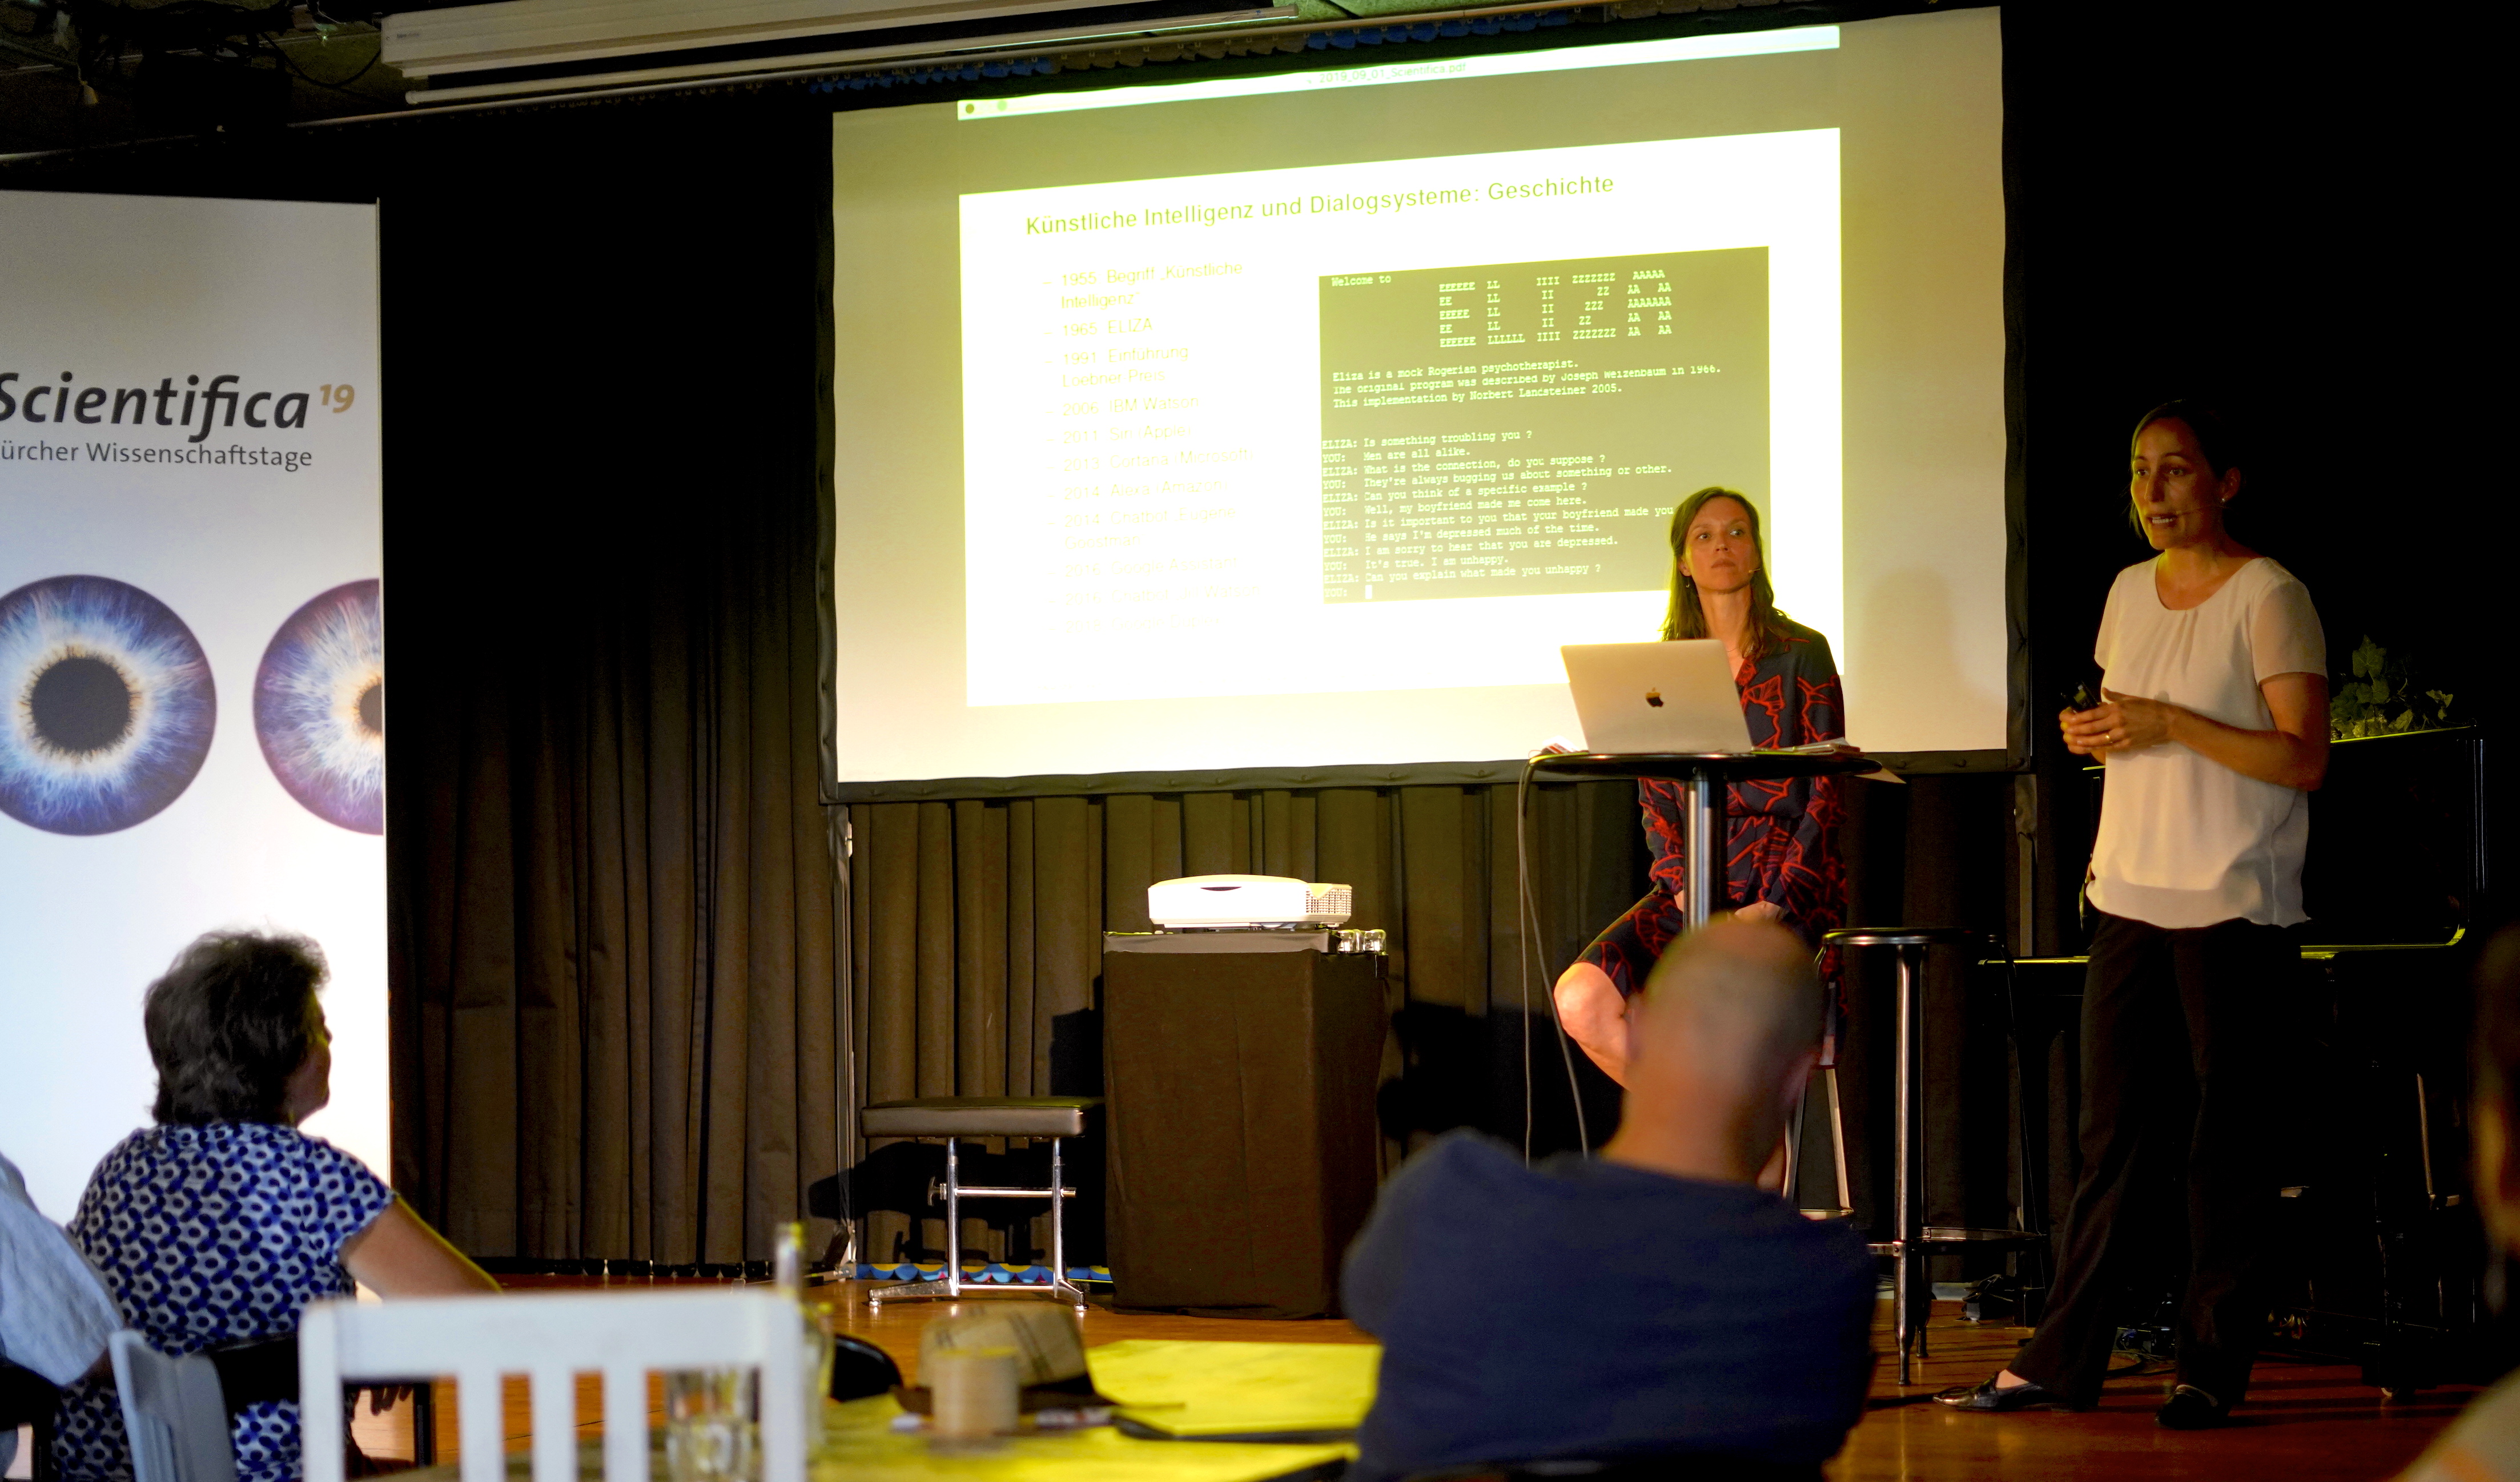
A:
[1296, 421]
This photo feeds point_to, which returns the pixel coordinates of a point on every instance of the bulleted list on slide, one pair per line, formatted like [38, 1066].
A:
[1150, 511]
[1365, 427]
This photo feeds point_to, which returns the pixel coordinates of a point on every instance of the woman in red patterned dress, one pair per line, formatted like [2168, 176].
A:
[1781, 861]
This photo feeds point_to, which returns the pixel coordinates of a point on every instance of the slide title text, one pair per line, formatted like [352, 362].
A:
[1207, 214]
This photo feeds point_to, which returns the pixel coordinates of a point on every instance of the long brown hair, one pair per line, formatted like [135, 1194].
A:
[1688, 618]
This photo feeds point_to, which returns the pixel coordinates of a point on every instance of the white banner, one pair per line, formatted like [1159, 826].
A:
[192, 702]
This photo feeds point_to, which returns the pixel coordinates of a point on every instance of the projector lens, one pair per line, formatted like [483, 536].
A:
[110, 705]
[318, 706]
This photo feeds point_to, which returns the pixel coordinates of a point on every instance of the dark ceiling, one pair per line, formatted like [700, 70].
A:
[83, 72]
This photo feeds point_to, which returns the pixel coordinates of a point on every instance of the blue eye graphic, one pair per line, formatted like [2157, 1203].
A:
[318, 706]
[108, 705]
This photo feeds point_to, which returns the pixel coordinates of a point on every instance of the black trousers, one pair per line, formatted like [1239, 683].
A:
[2181, 1032]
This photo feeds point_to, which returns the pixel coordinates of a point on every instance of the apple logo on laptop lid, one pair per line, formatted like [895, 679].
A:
[1653, 697]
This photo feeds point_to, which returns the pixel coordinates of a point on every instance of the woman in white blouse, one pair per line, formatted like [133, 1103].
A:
[2213, 725]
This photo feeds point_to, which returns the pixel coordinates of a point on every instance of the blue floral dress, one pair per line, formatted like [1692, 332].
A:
[211, 1235]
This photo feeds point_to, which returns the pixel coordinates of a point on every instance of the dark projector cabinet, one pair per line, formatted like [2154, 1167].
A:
[1238, 1080]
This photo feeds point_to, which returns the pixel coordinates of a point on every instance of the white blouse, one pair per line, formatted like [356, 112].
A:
[2185, 841]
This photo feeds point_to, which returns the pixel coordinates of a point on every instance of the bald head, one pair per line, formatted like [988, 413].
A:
[1733, 993]
[1724, 1033]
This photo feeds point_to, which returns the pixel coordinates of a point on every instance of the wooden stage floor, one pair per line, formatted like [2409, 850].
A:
[2304, 1422]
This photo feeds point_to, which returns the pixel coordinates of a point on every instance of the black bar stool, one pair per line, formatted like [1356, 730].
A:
[1908, 1242]
[1049, 1118]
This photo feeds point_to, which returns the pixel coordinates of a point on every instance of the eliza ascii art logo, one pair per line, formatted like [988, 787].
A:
[202, 409]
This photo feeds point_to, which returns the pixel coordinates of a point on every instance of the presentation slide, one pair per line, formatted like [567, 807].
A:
[1316, 456]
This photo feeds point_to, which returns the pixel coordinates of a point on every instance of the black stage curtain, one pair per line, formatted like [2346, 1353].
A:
[617, 1005]
[617, 1027]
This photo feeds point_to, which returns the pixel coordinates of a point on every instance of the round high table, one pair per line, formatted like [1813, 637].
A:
[1706, 775]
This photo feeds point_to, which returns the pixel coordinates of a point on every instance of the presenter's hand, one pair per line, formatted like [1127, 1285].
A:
[1760, 911]
[2136, 722]
[2118, 723]
[2087, 733]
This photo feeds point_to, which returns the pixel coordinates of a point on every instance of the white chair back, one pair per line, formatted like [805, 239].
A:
[551, 1338]
[174, 1413]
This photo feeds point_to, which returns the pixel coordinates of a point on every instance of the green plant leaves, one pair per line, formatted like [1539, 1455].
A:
[2362, 706]
[2368, 660]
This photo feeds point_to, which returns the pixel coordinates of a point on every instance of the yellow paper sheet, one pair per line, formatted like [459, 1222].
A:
[1185, 1388]
[862, 1447]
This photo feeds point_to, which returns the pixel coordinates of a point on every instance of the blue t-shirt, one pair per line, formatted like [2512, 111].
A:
[213, 1234]
[1582, 1307]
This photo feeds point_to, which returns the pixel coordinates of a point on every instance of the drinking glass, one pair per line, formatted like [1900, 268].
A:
[710, 1434]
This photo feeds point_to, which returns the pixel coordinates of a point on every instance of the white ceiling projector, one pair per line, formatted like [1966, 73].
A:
[1219, 902]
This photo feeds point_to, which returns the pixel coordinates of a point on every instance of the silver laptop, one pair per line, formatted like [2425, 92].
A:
[1658, 697]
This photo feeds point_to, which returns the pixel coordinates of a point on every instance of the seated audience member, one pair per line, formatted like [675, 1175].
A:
[222, 1222]
[2483, 1446]
[55, 1314]
[1652, 1302]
